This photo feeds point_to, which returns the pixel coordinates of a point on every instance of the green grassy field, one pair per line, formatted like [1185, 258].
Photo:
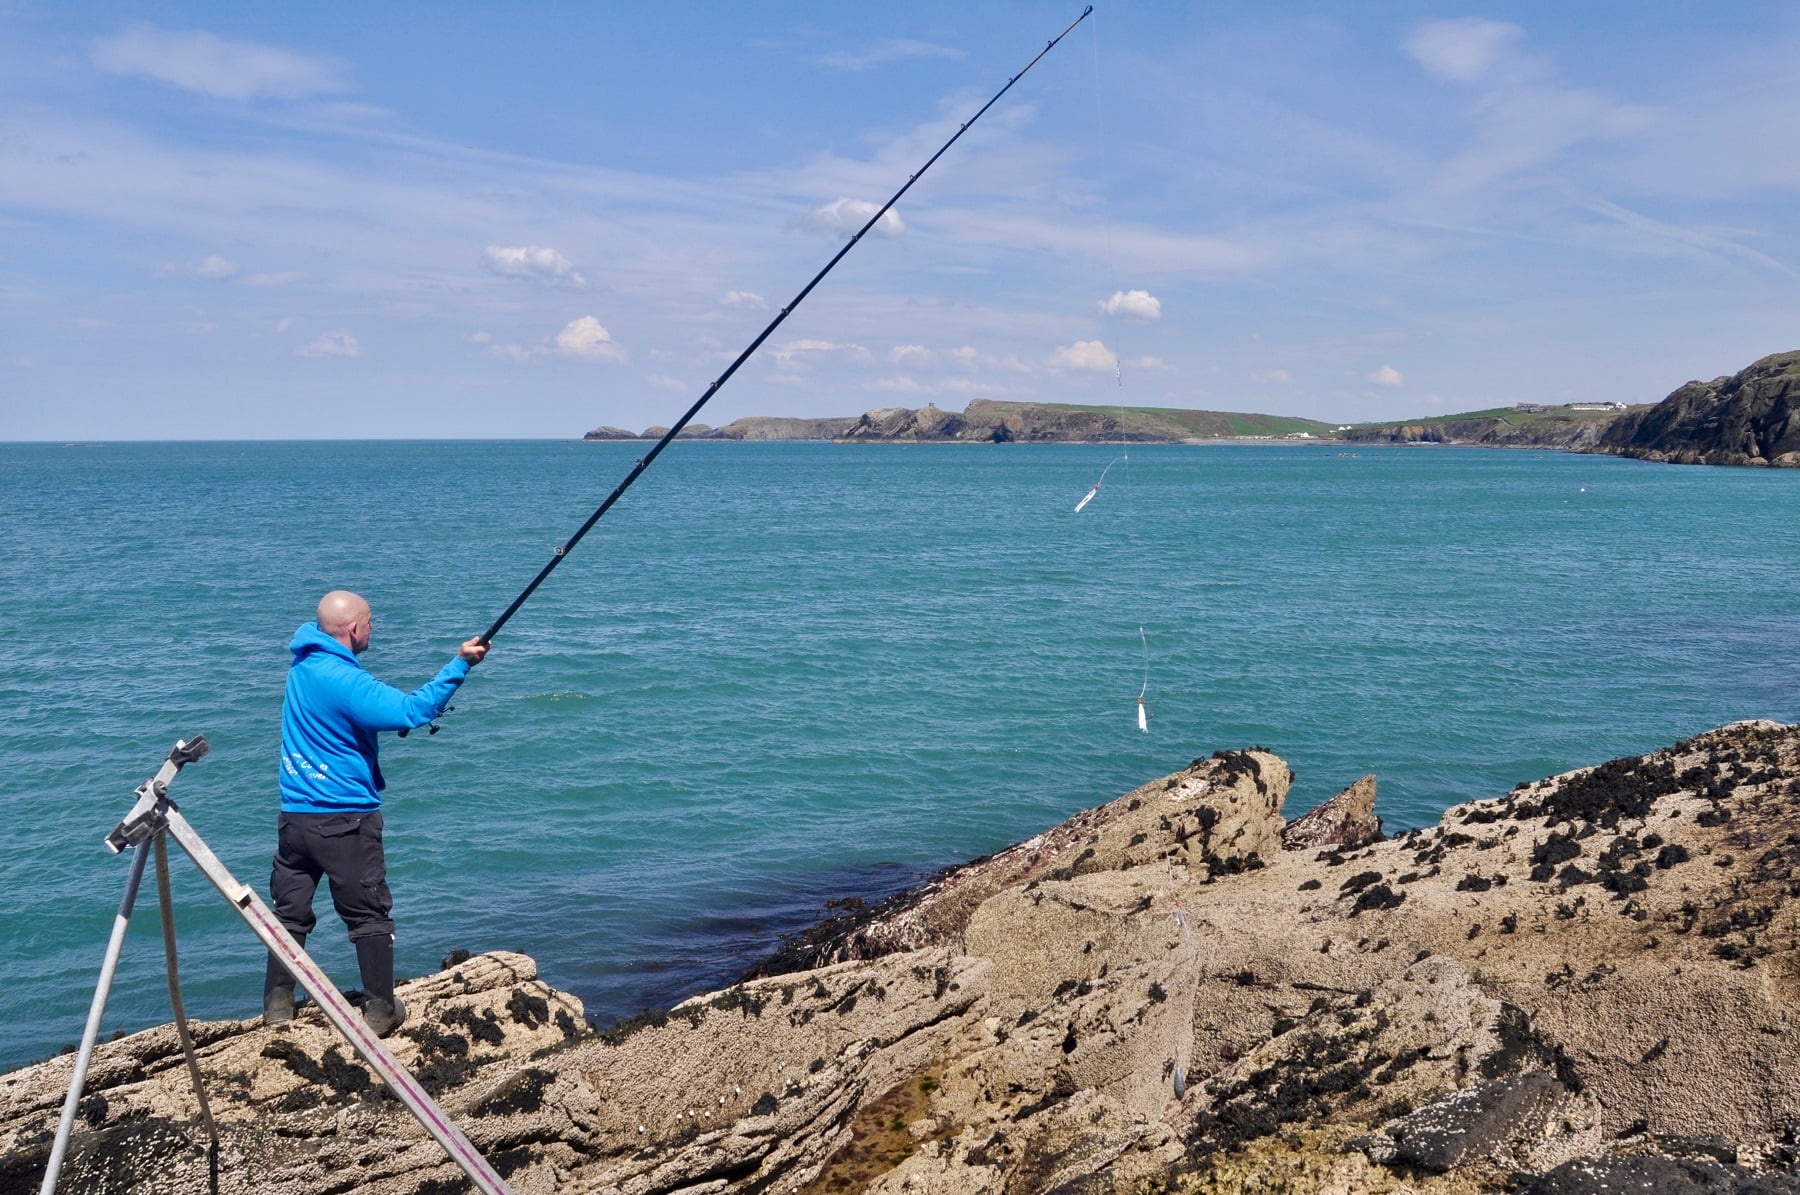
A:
[1509, 416]
[1180, 424]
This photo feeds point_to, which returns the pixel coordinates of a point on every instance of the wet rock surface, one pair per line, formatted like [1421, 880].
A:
[1589, 983]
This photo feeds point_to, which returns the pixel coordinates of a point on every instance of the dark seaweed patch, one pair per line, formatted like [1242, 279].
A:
[528, 1009]
[483, 1028]
[1379, 897]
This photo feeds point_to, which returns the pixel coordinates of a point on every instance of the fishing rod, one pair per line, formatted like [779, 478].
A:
[562, 550]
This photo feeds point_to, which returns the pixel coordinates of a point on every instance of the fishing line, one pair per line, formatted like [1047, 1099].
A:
[1113, 261]
[1124, 457]
[561, 552]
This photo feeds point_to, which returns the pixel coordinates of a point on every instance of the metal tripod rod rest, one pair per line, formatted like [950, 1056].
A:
[155, 814]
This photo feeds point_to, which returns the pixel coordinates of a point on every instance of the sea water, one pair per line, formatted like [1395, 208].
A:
[778, 674]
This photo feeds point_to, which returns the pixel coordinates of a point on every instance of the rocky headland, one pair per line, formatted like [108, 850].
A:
[1589, 983]
[1561, 429]
[987, 421]
[1749, 418]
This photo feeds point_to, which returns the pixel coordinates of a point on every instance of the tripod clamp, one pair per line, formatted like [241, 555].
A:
[150, 816]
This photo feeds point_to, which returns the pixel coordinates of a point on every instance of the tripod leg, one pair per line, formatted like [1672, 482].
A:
[337, 1010]
[166, 900]
[139, 856]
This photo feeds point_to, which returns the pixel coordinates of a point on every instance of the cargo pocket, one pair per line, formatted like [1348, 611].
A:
[376, 896]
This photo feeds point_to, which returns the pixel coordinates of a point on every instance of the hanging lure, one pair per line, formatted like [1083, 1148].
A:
[1144, 714]
[1089, 496]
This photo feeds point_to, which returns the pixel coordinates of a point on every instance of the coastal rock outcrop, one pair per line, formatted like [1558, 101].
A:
[1592, 979]
[1749, 418]
[1561, 430]
[983, 421]
[1348, 819]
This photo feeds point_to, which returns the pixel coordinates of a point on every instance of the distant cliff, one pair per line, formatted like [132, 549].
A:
[982, 422]
[1564, 429]
[1750, 418]
[985, 421]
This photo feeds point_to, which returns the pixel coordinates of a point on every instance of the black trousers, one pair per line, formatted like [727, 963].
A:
[344, 848]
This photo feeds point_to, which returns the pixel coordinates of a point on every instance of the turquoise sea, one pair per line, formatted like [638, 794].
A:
[779, 674]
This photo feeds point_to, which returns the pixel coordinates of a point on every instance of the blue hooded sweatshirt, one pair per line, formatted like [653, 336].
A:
[334, 708]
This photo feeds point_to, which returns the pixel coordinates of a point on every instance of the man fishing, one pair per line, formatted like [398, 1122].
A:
[331, 786]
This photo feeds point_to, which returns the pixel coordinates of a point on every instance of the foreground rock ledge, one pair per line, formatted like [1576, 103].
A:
[1591, 983]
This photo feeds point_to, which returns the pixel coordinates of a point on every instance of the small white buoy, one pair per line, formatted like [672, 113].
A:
[1143, 717]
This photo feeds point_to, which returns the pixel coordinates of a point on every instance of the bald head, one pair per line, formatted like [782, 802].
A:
[346, 617]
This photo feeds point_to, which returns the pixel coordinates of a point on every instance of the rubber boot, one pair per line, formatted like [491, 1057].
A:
[382, 1010]
[278, 989]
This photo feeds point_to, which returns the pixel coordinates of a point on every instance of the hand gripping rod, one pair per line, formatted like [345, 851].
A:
[637, 470]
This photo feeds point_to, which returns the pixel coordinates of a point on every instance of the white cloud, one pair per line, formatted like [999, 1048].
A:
[1523, 117]
[1084, 354]
[194, 60]
[1135, 304]
[903, 383]
[747, 299]
[211, 268]
[849, 215]
[1464, 50]
[902, 353]
[331, 344]
[1156, 363]
[665, 382]
[971, 386]
[1274, 377]
[887, 51]
[587, 339]
[215, 267]
[531, 261]
[1387, 375]
[286, 323]
[481, 338]
[965, 354]
[796, 350]
[1656, 236]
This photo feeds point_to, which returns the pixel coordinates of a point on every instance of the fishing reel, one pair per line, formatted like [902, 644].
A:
[433, 723]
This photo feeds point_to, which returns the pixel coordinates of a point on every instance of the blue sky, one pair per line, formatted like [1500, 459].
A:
[352, 220]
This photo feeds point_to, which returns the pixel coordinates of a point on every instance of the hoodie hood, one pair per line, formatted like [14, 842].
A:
[309, 638]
